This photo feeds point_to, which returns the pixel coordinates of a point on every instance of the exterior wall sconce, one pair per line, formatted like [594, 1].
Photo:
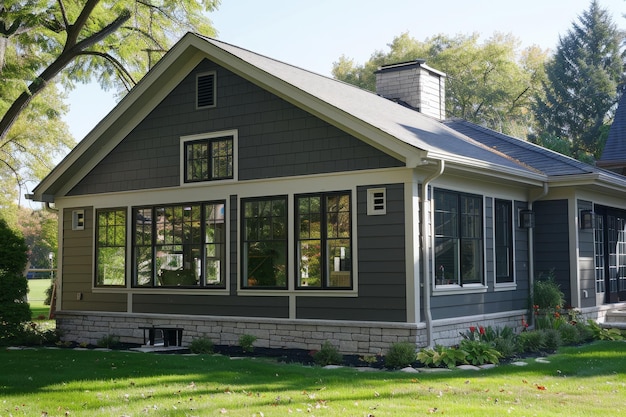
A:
[587, 219]
[526, 219]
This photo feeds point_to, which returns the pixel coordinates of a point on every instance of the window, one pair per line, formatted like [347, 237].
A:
[600, 270]
[323, 227]
[208, 159]
[180, 245]
[503, 227]
[111, 247]
[458, 238]
[205, 90]
[264, 243]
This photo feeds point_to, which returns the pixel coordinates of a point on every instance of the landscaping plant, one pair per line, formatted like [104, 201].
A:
[327, 355]
[400, 355]
[246, 342]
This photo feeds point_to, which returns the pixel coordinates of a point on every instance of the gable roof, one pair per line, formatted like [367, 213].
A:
[399, 131]
[614, 152]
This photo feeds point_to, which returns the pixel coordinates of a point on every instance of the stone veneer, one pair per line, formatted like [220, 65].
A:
[350, 337]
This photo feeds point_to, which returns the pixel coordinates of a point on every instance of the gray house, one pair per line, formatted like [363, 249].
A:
[229, 193]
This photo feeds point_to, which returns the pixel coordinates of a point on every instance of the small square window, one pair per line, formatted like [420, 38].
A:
[209, 159]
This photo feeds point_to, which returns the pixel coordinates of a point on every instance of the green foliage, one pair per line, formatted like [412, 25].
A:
[547, 293]
[600, 333]
[246, 342]
[507, 346]
[31, 334]
[400, 355]
[490, 82]
[442, 356]
[328, 355]
[533, 341]
[582, 83]
[201, 345]
[14, 310]
[108, 341]
[479, 352]
[551, 339]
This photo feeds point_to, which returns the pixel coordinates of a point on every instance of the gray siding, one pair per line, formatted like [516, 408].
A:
[491, 301]
[586, 264]
[551, 234]
[276, 139]
[277, 307]
[382, 271]
[77, 271]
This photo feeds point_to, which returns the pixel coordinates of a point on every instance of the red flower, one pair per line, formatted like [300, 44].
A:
[472, 329]
[557, 315]
[481, 330]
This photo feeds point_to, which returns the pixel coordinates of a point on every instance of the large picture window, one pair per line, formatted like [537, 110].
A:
[180, 245]
[324, 241]
[503, 229]
[458, 238]
[111, 247]
[209, 159]
[264, 243]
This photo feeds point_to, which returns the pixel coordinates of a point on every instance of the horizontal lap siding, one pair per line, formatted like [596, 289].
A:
[491, 301]
[382, 270]
[586, 264]
[277, 307]
[77, 271]
[276, 139]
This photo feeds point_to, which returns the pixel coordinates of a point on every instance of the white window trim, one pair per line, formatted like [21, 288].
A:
[78, 219]
[372, 203]
[209, 135]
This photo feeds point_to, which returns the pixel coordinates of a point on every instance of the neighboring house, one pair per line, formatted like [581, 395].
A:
[229, 193]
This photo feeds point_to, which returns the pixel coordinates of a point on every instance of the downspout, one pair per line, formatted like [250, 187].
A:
[426, 258]
[531, 255]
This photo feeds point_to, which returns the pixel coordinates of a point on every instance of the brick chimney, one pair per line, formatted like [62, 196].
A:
[415, 85]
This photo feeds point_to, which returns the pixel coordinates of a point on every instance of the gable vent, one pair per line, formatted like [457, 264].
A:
[205, 85]
[376, 201]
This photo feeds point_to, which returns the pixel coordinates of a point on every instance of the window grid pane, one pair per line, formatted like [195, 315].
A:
[503, 241]
[111, 247]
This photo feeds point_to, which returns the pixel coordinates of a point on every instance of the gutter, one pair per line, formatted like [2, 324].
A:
[426, 216]
[531, 254]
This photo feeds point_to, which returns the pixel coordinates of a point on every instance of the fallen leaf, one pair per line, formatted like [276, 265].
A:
[540, 387]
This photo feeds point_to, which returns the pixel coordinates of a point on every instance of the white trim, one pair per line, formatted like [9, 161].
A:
[78, 219]
[457, 289]
[412, 250]
[376, 201]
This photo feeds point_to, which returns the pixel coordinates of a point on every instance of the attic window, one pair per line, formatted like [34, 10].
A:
[205, 90]
[376, 201]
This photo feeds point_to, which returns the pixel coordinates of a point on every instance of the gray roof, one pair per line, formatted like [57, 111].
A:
[615, 147]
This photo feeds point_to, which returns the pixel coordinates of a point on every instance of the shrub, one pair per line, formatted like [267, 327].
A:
[600, 333]
[201, 345]
[507, 346]
[551, 339]
[479, 352]
[569, 334]
[531, 341]
[328, 355]
[547, 293]
[584, 330]
[400, 355]
[14, 310]
[441, 355]
[246, 342]
[108, 341]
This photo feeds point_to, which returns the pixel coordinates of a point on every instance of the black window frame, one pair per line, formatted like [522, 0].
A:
[504, 231]
[344, 261]
[112, 232]
[458, 225]
[152, 246]
[227, 160]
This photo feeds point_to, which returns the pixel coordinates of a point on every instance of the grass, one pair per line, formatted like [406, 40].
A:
[579, 381]
[36, 296]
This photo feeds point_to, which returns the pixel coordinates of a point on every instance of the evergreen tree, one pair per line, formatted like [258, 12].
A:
[14, 310]
[582, 84]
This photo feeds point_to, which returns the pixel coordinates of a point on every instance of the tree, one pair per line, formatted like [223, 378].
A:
[490, 83]
[14, 310]
[582, 84]
[69, 41]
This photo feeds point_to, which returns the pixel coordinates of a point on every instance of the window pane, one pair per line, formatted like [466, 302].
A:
[504, 241]
[446, 261]
[215, 248]
[197, 161]
[309, 254]
[471, 261]
[265, 243]
[111, 247]
[222, 158]
[339, 262]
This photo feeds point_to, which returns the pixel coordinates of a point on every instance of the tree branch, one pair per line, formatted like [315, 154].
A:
[119, 67]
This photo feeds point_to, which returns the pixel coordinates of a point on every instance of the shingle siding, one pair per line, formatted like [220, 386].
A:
[276, 139]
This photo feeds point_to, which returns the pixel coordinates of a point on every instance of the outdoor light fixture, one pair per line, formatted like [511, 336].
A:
[526, 219]
[587, 218]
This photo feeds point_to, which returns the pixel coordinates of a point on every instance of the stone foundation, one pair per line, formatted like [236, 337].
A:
[350, 337]
[447, 332]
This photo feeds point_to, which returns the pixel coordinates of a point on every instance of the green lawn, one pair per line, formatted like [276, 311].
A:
[36, 297]
[579, 381]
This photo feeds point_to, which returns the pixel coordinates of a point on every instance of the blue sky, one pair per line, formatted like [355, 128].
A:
[314, 34]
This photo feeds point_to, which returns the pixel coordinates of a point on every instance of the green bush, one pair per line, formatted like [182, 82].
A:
[201, 345]
[108, 341]
[532, 341]
[569, 334]
[400, 355]
[551, 339]
[328, 355]
[246, 342]
[507, 346]
[547, 293]
[441, 355]
[600, 333]
[479, 352]
[585, 332]
[14, 309]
